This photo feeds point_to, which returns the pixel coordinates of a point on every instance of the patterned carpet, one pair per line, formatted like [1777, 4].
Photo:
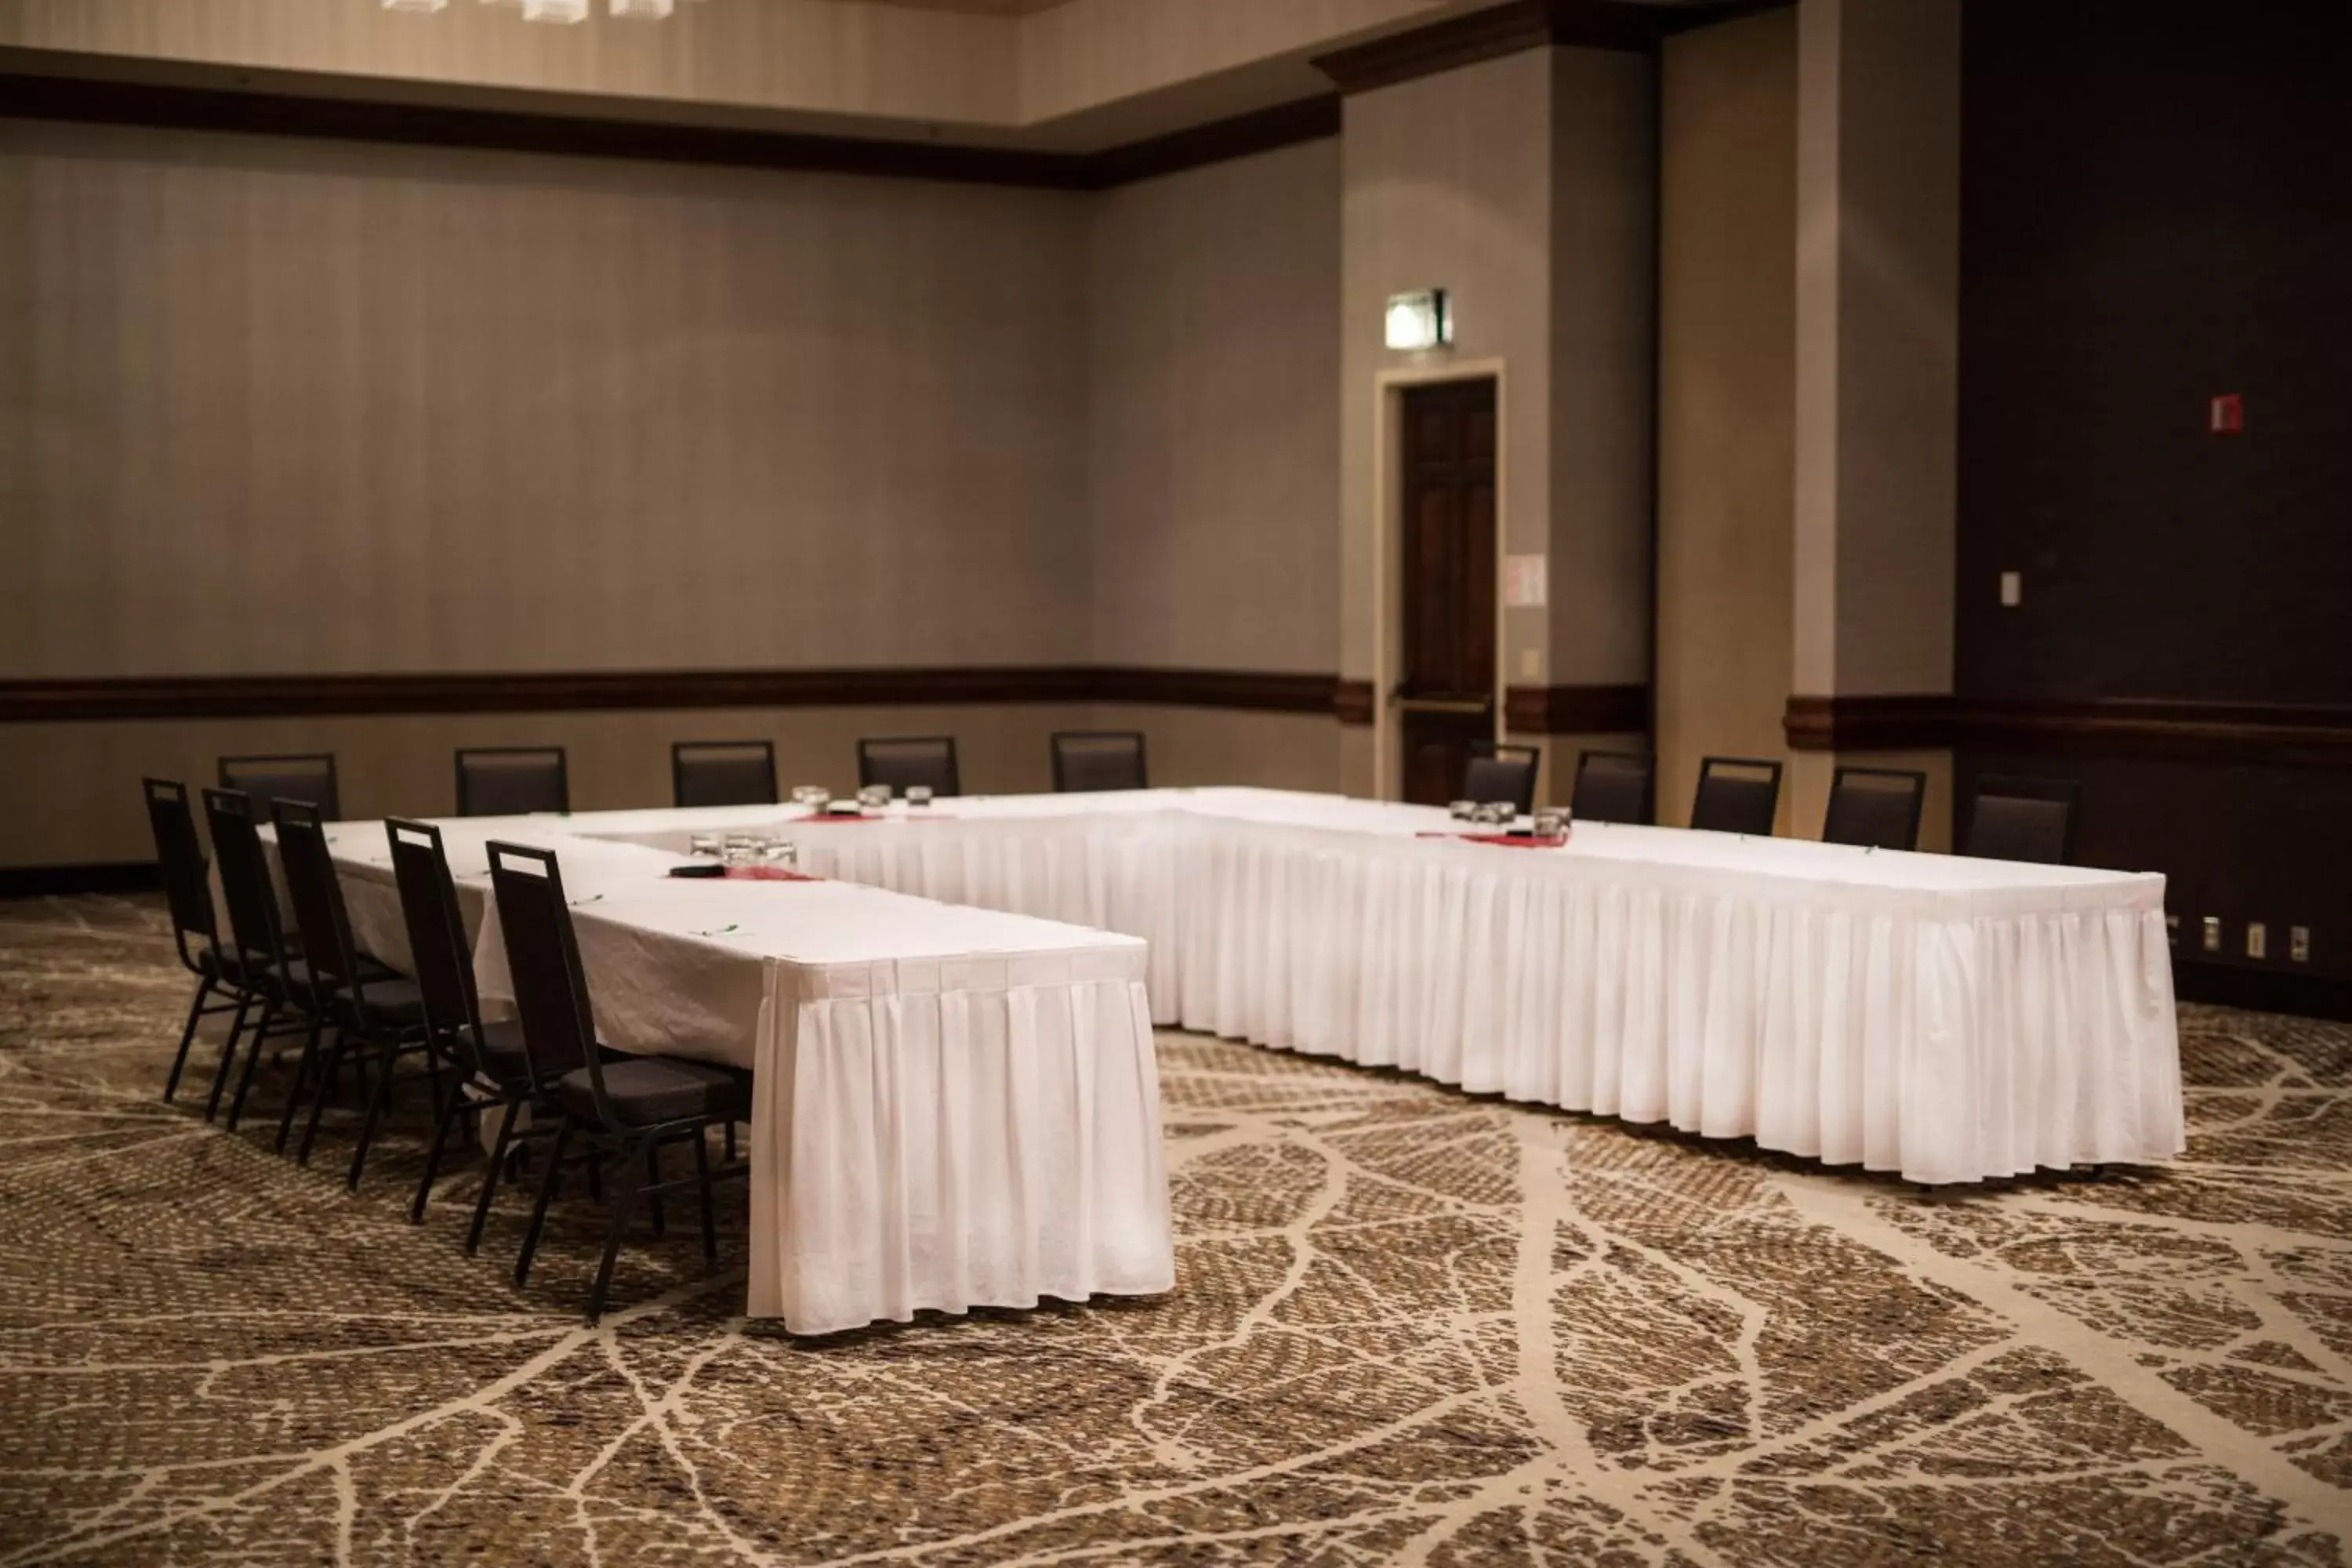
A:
[1411, 1326]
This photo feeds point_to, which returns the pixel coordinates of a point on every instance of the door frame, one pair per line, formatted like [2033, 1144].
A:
[1388, 560]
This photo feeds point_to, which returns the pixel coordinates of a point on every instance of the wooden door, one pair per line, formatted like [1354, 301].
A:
[1446, 694]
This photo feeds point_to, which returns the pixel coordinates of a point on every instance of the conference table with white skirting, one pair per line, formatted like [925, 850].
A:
[955, 1097]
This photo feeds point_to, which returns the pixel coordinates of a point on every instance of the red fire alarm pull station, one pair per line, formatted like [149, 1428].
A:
[2229, 414]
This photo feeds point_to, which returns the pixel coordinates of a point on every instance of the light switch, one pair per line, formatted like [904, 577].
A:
[2298, 944]
[2212, 941]
[1530, 664]
[2012, 590]
[2258, 939]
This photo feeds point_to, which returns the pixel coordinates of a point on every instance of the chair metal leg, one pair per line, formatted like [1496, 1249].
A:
[653, 1179]
[304, 1066]
[336, 1052]
[624, 1197]
[228, 1054]
[546, 1195]
[187, 1037]
[374, 1117]
[245, 1080]
[702, 1173]
[449, 1110]
[508, 1108]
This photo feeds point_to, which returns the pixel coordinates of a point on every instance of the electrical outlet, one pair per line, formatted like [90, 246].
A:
[2212, 933]
[2298, 944]
[2172, 929]
[2012, 590]
[2258, 939]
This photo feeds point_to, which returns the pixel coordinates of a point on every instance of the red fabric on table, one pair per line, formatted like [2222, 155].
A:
[1503, 840]
[844, 820]
[768, 874]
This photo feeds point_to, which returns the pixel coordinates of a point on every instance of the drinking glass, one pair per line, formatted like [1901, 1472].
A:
[919, 795]
[812, 797]
[1463, 810]
[1551, 823]
[705, 846]
[874, 796]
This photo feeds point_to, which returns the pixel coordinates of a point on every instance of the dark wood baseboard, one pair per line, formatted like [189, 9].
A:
[548, 691]
[55, 881]
[2255, 734]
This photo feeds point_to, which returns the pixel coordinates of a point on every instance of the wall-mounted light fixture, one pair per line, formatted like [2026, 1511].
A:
[1418, 320]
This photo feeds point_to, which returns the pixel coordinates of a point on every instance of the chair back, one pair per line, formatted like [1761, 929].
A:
[322, 923]
[512, 781]
[559, 1029]
[904, 760]
[2023, 819]
[1737, 795]
[1613, 786]
[1086, 760]
[1502, 772]
[253, 920]
[1874, 807]
[309, 776]
[187, 876]
[723, 773]
[437, 952]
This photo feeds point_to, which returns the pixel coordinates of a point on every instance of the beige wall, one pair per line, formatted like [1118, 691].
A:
[1526, 187]
[1604, 261]
[278, 406]
[1213, 378]
[1726, 347]
[1877, 326]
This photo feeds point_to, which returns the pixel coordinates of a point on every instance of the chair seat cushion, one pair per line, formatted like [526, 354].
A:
[500, 1048]
[395, 1004]
[643, 1091]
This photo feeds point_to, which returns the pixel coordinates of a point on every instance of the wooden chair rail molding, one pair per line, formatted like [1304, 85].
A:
[1531, 709]
[2256, 734]
[1534, 709]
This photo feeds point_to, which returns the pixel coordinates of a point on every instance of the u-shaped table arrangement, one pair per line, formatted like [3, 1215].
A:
[950, 1029]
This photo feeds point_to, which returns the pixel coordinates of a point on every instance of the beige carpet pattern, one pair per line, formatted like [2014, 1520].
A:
[1411, 1326]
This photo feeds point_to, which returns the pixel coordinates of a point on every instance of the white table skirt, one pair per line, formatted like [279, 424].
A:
[951, 1107]
[1949, 1019]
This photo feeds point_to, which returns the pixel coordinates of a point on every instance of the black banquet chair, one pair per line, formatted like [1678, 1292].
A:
[2023, 819]
[309, 776]
[1737, 795]
[1086, 760]
[1874, 807]
[369, 1010]
[512, 781]
[495, 1059]
[723, 773]
[187, 889]
[1501, 773]
[1613, 786]
[257, 951]
[628, 1107]
[902, 762]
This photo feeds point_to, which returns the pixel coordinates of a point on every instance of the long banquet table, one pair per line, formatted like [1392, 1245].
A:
[1949, 1019]
[951, 1107]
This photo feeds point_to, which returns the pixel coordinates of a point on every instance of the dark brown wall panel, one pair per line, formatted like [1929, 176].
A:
[2156, 211]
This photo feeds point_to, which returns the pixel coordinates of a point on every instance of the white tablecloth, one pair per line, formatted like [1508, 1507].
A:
[953, 1106]
[1950, 1019]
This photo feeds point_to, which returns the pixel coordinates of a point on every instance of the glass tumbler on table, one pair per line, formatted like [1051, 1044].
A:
[919, 795]
[873, 797]
[705, 846]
